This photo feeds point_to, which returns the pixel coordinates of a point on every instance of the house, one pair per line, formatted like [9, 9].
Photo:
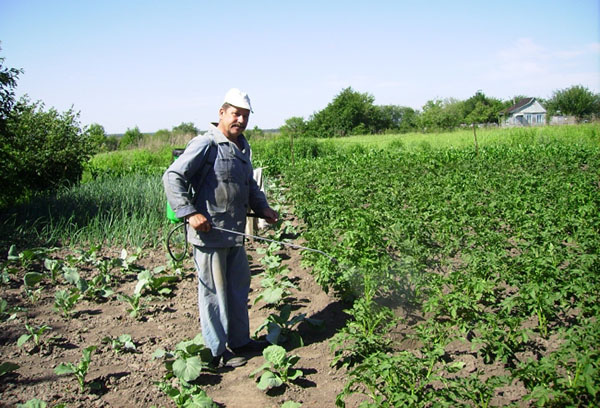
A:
[526, 112]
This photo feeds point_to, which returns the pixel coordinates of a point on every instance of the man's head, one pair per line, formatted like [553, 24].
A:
[234, 113]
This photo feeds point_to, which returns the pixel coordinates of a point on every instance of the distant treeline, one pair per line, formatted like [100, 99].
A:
[352, 113]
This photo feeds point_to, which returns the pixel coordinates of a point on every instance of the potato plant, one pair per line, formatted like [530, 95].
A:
[494, 248]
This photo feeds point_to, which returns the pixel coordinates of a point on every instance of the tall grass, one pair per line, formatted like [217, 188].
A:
[126, 211]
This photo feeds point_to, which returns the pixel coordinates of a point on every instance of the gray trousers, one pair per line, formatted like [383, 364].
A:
[223, 287]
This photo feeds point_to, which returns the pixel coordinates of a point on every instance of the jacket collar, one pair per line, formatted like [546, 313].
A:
[221, 138]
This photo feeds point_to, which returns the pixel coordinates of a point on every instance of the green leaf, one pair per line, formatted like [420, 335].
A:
[33, 403]
[71, 275]
[7, 367]
[144, 278]
[272, 295]
[265, 366]
[269, 380]
[23, 339]
[87, 352]
[50, 264]
[63, 368]
[275, 355]
[13, 255]
[199, 399]
[32, 278]
[294, 374]
[291, 404]
[187, 369]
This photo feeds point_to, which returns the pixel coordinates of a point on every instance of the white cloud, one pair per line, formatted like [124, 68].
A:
[526, 66]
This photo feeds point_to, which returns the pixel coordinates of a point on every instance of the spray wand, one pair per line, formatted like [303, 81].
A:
[288, 244]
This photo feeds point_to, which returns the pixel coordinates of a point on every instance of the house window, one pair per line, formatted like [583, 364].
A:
[528, 118]
[540, 118]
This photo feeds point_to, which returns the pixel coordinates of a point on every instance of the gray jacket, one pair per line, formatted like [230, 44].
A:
[214, 177]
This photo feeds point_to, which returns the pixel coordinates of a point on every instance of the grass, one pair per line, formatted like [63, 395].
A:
[126, 211]
[585, 134]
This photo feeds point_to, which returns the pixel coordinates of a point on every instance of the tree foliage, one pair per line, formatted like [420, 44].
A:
[440, 114]
[131, 138]
[398, 118]
[576, 101]
[44, 150]
[40, 149]
[350, 112]
[481, 109]
[97, 138]
[294, 127]
[186, 128]
[8, 83]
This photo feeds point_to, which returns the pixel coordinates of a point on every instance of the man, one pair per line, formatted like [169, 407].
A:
[210, 184]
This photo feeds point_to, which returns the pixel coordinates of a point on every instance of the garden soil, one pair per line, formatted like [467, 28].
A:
[128, 379]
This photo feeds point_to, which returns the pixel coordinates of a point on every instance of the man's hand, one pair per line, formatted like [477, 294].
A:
[198, 222]
[270, 215]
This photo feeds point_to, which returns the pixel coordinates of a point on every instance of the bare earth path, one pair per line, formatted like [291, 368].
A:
[128, 379]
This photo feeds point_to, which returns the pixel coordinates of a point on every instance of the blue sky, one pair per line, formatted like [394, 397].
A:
[156, 64]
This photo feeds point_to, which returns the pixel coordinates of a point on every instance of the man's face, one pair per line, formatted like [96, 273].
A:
[233, 121]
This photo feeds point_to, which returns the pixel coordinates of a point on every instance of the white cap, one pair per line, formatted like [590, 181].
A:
[237, 98]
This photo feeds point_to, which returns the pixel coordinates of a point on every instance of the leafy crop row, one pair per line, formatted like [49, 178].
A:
[498, 249]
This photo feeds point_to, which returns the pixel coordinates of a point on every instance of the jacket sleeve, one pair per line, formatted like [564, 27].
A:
[178, 178]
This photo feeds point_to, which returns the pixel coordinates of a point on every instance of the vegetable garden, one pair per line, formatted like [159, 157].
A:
[468, 277]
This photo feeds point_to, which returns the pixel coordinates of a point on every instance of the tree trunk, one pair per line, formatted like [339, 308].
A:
[475, 137]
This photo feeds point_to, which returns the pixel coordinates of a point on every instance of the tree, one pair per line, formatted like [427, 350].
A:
[9, 172]
[186, 128]
[481, 113]
[482, 109]
[45, 149]
[294, 127]
[576, 101]
[398, 118]
[254, 133]
[131, 138]
[8, 82]
[97, 138]
[350, 112]
[441, 115]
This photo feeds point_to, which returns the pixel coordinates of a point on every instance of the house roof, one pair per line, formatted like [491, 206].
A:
[517, 106]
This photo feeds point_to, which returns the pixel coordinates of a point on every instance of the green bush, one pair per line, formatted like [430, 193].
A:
[131, 138]
[122, 162]
[43, 150]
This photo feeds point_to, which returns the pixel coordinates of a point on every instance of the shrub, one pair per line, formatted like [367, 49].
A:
[131, 138]
[43, 149]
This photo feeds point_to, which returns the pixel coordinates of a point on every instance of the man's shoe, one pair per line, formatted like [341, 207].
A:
[253, 346]
[228, 359]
